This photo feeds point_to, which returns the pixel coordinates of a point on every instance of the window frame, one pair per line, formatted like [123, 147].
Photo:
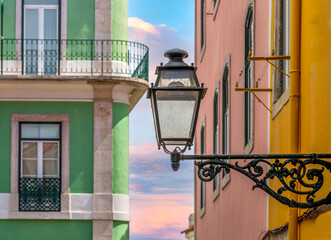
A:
[226, 117]
[202, 28]
[39, 142]
[216, 3]
[216, 136]
[15, 160]
[281, 46]
[202, 151]
[249, 37]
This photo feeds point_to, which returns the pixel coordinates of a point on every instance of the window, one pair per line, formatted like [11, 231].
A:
[216, 142]
[248, 98]
[215, 6]
[281, 46]
[225, 120]
[202, 183]
[202, 26]
[40, 145]
[40, 36]
[32, 188]
[39, 183]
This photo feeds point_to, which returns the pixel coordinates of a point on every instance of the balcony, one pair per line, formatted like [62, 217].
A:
[39, 194]
[113, 58]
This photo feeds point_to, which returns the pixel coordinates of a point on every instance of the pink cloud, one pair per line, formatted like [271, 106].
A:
[160, 216]
[161, 200]
[158, 38]
[137, 23]
[147, 159]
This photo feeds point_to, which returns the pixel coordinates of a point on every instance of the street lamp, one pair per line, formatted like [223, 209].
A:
[175, 100]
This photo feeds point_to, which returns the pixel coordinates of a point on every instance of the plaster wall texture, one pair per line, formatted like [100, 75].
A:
[237, 206]
[315, 112]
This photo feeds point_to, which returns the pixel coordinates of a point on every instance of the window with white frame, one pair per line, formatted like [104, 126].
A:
[40, 148]
[281, 47]
[216, 130]
[39, 183]
[248, 97]
[225, 115]
[202, 183]
[40, 36]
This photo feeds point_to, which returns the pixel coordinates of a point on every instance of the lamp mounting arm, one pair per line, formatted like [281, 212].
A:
[291, 170]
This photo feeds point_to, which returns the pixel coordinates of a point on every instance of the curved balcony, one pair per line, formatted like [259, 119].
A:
[113, 58]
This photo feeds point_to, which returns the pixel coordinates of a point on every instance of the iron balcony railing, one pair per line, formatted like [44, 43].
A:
[40, 194]
[74, 58]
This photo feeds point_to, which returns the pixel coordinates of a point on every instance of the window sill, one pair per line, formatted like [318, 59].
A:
[16, 214]
[249, 146]
[281, 102]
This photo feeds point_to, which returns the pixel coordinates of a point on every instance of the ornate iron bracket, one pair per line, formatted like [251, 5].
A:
[296, 169]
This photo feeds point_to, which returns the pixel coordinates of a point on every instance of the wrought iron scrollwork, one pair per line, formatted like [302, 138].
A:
[291, 172]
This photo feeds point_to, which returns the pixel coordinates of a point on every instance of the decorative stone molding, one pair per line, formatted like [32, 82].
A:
[80, 207]
[15, 120]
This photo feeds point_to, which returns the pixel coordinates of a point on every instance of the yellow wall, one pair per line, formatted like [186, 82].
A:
[315, 112]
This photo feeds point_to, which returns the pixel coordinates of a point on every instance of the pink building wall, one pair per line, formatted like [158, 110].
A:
[238, 212]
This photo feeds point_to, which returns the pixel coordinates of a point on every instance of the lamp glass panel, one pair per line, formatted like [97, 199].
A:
[177, 113]
[154, 117]
[177, 78]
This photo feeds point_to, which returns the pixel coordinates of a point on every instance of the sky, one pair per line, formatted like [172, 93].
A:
[161, 200]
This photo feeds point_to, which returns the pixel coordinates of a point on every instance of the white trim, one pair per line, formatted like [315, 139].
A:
[4, 205]
[121, 207]
[81, 207]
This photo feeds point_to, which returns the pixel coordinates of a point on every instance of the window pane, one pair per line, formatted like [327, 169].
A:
[30, 155]
[31, 26]
[50, 159]
[50, 150]
[41, 2]
[29, 168]
[37, 131]
[49, 131]
[30, 131]
[50, 24]
[50, 168]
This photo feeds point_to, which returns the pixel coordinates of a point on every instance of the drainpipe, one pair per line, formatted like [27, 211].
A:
[295, 40]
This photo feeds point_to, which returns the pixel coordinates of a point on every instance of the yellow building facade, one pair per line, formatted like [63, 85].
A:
[301, 115]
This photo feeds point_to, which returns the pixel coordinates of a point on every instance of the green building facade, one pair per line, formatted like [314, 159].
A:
[69, 78]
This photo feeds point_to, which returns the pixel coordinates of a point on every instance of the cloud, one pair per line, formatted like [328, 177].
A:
[158, 38]
[161, 200]
[141, 25]
[160, 216]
